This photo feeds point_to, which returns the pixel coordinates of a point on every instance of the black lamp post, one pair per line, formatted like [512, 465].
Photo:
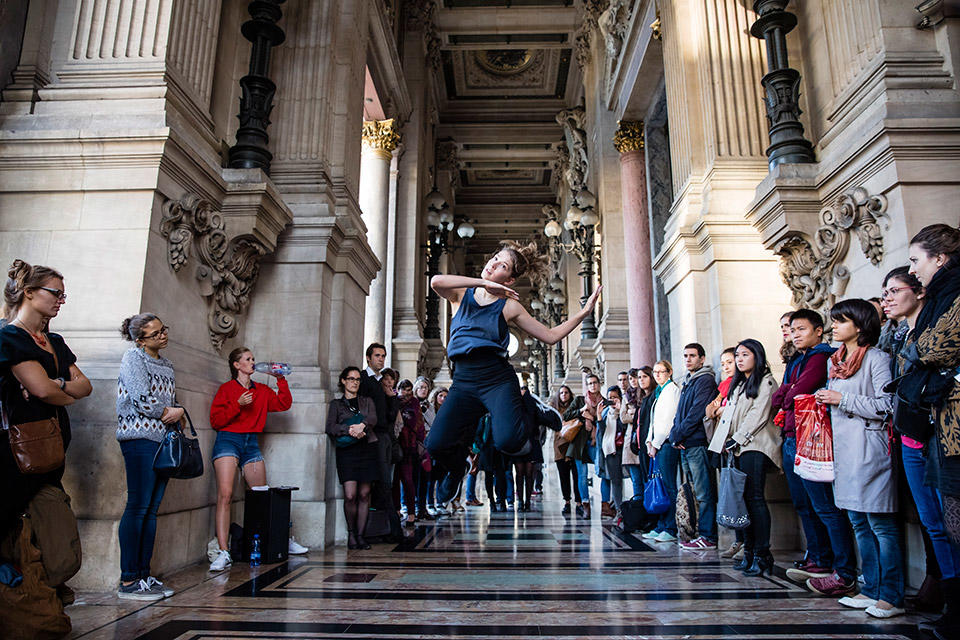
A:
[580, 222]
[256, 102]
[782, 85]
[439, 225]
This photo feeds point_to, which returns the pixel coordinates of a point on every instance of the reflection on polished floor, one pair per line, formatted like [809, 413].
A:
[483, 575]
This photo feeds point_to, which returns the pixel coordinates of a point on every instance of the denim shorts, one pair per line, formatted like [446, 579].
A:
[242, 446]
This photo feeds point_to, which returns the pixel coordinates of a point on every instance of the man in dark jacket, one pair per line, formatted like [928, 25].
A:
[371, 387]
[830, 557]
[689, 435]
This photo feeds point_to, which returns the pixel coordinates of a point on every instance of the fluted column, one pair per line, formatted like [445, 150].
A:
[628, 140]
[380, 138]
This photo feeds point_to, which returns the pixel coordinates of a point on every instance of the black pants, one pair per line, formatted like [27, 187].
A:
[756, 537]
[482, 383]
[568, 470]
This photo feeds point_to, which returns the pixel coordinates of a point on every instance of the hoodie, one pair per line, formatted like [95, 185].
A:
[699, 390]
[806, 372]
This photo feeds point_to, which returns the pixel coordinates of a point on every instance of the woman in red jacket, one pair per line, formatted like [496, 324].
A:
[239, 413]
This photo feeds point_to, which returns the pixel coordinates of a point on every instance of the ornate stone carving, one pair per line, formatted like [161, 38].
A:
[448, 159]
[421, 16]
[383, 135]
[558, 165]
[656, 28]
[582, 41]
[574, 130]
[613, 23]
[629, 136]
[816, 276]
[227, 269]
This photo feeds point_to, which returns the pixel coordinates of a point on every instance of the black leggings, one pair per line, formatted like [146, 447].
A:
[756, 537]
[568, 470]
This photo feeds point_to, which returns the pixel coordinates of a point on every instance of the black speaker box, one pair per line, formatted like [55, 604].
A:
[267, 513]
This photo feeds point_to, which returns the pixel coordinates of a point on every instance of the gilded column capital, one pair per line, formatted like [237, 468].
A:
[381, 135]
[629, 136]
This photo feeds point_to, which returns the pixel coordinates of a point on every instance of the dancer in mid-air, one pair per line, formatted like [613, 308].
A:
[483, 379]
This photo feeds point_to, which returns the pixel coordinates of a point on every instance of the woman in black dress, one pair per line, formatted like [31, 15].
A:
[350, 422]
[38, 378]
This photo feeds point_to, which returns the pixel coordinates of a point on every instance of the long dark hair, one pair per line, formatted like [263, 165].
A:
[864, 317]
[647, 371]
[751, 385]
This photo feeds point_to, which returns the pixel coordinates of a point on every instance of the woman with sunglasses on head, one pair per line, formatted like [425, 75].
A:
[146, 405]
[933, 347]
[238, 414]
[483, 379]
[39, 378]
[351, 419]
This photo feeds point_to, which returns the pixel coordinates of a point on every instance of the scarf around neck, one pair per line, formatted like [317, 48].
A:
[843, 369]
[943, 290]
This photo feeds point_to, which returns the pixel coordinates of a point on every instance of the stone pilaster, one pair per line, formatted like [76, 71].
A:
[380, 138]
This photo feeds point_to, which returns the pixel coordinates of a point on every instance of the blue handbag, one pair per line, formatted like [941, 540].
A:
[341, 442]
[179, 456]
[655, 498]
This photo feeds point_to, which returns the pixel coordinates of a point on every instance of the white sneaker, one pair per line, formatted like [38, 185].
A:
[156, 585]
[665, 536]
[222, 562]
[294, 548]
[650, 535]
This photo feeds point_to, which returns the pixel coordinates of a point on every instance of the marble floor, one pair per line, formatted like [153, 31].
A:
[483, 575]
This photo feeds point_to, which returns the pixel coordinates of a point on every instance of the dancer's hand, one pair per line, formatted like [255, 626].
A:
[592, 300]
[498, 290]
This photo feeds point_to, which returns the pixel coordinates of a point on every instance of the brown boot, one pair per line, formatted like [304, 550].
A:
[607, 510]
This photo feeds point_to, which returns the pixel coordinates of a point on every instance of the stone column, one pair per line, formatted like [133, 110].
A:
[380, 138]
[636, 238]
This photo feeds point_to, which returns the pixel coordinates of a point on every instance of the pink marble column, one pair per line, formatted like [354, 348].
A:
[636, 234]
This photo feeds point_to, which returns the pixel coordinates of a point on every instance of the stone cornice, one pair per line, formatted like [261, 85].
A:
[629, 136]
[381, 135]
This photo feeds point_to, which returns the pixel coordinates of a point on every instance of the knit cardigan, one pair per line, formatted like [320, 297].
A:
[145, 387]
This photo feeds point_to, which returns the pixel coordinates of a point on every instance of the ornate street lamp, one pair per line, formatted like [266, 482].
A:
[440, 222]
[580, 221]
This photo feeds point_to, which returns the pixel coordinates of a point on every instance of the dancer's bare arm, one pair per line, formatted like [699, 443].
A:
[451, 287]
[515, 312]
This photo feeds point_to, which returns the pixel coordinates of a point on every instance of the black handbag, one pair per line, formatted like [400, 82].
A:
[179, 456]
[916, 394]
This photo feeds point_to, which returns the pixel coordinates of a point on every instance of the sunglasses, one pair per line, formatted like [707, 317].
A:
[57, 293]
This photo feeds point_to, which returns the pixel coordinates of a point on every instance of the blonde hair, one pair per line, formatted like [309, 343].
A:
[666, 365]
[22, 277]
[527, 259]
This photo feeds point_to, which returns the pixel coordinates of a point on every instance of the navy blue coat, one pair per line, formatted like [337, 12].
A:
[696, 394]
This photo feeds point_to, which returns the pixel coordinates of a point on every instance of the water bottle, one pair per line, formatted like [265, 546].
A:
[255, 551]
[276, 368]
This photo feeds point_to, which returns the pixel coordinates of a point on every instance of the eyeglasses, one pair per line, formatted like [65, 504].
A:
[162, 331]
[352, 379]
[889, 293]
[57, 293]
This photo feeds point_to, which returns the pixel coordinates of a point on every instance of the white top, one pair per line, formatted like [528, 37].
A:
[664, 410]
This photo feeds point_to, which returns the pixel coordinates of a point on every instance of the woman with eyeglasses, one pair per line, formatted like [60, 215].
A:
[239, 413]
[39, 378]
[351, 419]
[146, 405]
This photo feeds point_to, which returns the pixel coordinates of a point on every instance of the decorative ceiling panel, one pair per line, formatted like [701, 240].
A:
[506, 74]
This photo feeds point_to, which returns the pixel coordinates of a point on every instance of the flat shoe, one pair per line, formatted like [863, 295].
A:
[877, 612]
[857, 603]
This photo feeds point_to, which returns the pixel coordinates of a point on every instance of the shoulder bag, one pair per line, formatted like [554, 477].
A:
[570, 429]
[655, 498]
[687, 509]
[731, 507]
[38, 446]
[179, 456]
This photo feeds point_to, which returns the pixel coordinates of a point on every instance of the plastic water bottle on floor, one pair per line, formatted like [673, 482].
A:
[276, 368]
[255, 551]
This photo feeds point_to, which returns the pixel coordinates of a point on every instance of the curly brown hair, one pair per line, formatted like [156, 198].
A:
[527, 259]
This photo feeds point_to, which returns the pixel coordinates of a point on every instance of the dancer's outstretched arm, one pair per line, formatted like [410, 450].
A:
[451, 287]
[518, 315]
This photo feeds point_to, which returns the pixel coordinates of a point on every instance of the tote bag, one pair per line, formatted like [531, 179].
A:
[731, 508]
[814, 460]
[179, 456]
[655, 498]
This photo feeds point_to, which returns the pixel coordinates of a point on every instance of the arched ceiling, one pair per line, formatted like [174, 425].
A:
[507, 68]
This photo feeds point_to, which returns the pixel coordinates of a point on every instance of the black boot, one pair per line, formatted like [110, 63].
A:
[745, 562]
[762, 563]
[352, 540]
[947, 626]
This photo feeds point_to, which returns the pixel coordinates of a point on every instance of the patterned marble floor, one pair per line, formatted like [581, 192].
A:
[483, 575]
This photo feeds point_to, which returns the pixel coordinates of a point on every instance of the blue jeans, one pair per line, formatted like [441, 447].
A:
[838, 531]
[668, 460]
[881, 558]
[472, 488]
[636, 478]
[818, 539]
[930, 511]
[701, 475]
[583, 469]
[138, 526]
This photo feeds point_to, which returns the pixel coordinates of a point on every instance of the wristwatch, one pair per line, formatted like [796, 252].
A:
[63, 383]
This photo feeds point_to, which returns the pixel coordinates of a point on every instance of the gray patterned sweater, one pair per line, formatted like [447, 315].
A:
[145, 387]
